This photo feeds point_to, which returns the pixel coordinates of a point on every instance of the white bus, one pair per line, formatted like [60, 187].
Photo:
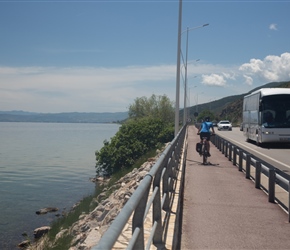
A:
[266, 115]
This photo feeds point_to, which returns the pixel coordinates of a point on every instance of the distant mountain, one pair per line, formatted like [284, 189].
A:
[18, 112]
[74, 117]
[231, 107]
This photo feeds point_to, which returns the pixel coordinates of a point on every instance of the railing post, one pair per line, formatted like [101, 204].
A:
[288, 201]
[235, 155]
[272, 176]
[138, 221]
[258, 175]
[215, 139]
[230, 152]
[248, 166]
[166, 183]
[226, 152]
[241, 160]
[157, 210]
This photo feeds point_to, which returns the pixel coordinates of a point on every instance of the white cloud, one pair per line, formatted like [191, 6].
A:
[248, 80]
[229, 76]
[258, 71]
[213, 80]
[273, 26]
[272, 68]
[254, 67]
[219, 80]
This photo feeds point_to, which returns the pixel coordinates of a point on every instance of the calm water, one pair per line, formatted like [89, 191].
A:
[44, 165]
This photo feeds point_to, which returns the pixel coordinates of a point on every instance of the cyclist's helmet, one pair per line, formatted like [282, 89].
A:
[207, 119]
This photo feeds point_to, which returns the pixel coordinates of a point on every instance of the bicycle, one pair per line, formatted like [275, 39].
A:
[204, 151]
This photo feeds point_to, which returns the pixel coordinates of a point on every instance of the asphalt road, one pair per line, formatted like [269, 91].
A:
[275, 154]
[223, 210]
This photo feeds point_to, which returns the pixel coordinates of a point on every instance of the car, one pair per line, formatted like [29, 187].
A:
[214, 124]
[224, 125]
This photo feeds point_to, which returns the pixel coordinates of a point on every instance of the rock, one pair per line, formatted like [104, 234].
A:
[78, 239]
[92, 239]
[24, 234]
[24, 244]
[100, 180]
[82, 216]
[39, 232]
[61, 234]
[46, 210]
[101, 196]
[93, 179]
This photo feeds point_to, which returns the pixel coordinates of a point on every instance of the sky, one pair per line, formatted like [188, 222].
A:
[99, 56]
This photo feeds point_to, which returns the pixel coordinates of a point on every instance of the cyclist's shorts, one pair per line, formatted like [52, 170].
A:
[205, 134]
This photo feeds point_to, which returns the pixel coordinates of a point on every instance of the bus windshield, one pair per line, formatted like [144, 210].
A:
[275, 111]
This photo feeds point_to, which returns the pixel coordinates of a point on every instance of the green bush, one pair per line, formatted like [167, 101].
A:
[134, 139]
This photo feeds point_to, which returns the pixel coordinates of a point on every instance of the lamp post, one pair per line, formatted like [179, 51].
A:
[178, 66]
[188, 103]
[176, 125]
[186, 56]
[197, 97]
[196, 107]
[188, 98]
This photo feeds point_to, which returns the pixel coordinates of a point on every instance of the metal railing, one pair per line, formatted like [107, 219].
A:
[160, 180]
[266, 176]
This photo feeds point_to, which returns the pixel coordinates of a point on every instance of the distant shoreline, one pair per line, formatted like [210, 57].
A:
[60, 122]
[73, 117]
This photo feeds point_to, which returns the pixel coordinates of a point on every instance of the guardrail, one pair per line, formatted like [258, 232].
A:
[161, 180]
[273, 181]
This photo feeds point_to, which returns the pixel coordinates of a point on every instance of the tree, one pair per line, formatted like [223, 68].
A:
[204, 114]
[150, 123]
[159, 107]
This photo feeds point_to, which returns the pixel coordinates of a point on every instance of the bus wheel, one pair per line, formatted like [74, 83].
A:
[259, 144]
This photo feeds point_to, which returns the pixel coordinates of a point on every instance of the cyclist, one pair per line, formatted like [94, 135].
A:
[204, 131]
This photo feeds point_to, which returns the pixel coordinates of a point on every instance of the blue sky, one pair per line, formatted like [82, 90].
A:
[98, 56]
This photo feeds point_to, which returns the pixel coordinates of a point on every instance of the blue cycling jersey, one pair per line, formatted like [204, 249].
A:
[205, 127]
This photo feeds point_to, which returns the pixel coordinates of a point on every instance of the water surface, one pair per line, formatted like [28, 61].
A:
[44, 165]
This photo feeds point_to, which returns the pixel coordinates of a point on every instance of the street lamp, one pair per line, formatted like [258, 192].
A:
[197, 101]
[188, 103]
[185, 114]
[186, 56]
[176, 126]
[178, 66]
[188, 97]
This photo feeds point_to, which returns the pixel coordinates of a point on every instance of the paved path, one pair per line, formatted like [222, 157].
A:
[224, 210]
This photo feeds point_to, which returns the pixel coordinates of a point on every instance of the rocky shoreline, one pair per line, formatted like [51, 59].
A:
[89, 228]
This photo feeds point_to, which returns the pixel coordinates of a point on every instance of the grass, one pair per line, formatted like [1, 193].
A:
[85, 206]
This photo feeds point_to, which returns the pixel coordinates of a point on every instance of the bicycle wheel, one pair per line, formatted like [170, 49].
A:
[204, 154]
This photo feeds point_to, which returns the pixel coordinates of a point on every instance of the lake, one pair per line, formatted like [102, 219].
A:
[44, 165]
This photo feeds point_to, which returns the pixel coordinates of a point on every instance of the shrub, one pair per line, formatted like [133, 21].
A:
[134, 139]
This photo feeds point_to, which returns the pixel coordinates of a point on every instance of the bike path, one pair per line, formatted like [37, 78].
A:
[223, 210]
